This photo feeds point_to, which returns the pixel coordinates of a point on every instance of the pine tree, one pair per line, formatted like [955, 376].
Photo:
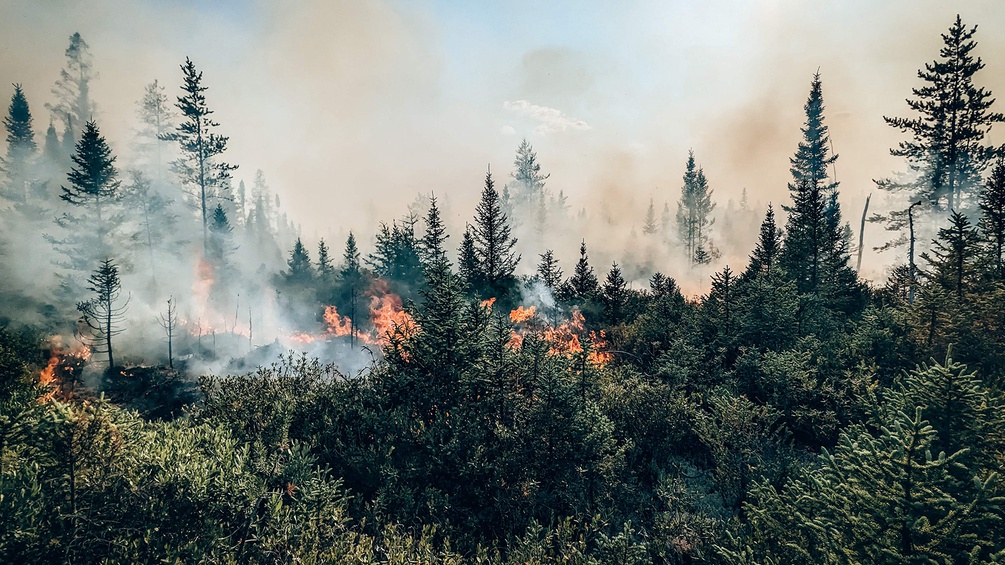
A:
[436, 235]
[93, 191]
[583, 282]
[21, 147]
[947, 152]
[352, 281]
[72, 91]
[198, 167]
[992, 223]
[549, 271]
[651, 225]
[493, 243]
[769, 244]
[103, 314]
[694, 210]
[52, 150]
[954, 255]
[397, 256]
[720, 302]
[614, 295]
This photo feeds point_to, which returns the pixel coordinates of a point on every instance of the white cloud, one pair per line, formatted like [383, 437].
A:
[551, 119]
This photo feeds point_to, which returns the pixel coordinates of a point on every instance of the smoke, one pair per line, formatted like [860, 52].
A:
[353, 107]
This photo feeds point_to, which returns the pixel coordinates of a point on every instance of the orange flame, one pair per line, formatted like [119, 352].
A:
[488, 302]
[522, 314]
[388, 316]
[338, 325]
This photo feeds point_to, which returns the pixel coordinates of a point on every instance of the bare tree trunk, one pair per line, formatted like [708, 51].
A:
[861, 234]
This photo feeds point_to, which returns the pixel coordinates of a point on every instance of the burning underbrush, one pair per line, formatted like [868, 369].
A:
[568, 338]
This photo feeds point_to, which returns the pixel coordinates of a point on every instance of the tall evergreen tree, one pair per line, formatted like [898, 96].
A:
[221, 240]
[21, 147]
[436, 235]
[468, 268]
[694, 210]
[769, 243]
[614, 295]
[528, 182]
[954, 256]
[493, 243]
[353, 283]
[325, 269]
[549, 271]
[815, 251]
[300, 271]
[73, 104]
[397, 256]
[155, 219]
[583, 284]
[156, 123]
[947, 151]
[198, 166]
[992, 223]
[651, 224]
[93, 193]
[104, 314]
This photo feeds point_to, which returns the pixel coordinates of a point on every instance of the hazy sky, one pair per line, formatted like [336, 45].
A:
[352, 107]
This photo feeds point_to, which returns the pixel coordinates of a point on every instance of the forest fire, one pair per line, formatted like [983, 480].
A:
[522, 314]
[64, 365]
[566, 338]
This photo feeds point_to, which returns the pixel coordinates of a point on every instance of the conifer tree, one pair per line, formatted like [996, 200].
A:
[52, 150]
[301, 271]
[549, 271]
[467, 263]
[104, 314]
[992, 222]
[954, 256]
[528, 182]
[720, 302]
[73, 91]
[947, 152]
[769, 243]
[156, 221]
[694, 211]
[353, 282]
[221, 240]
[397, 256]
[651, 225]
[583, 283]
[815, 250]
[614, 294]
[93, 192]
[493, 243]
[21, 145]
[156, 123]
[436, 235]
[325, 269]
[198, 166]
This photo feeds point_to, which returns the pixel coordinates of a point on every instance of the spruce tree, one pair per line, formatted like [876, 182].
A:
[769, 243]
[992, 222]
[468, 268]
[21, 147]
[493, 243]
[156, 221]
[325, 269]
[352, 284]
[93, 192]
[221, 240]
[947, 152]
[397, 256]
[198, 167]
[104, 314]
[300, 271]
[954, 256]
[651, 225]
[436, 235]
[694, 211]
[528, 182]
[815, 246]
[614, 295]
[73, 91]
[583, 283]
[156, 123]
[549, 271]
